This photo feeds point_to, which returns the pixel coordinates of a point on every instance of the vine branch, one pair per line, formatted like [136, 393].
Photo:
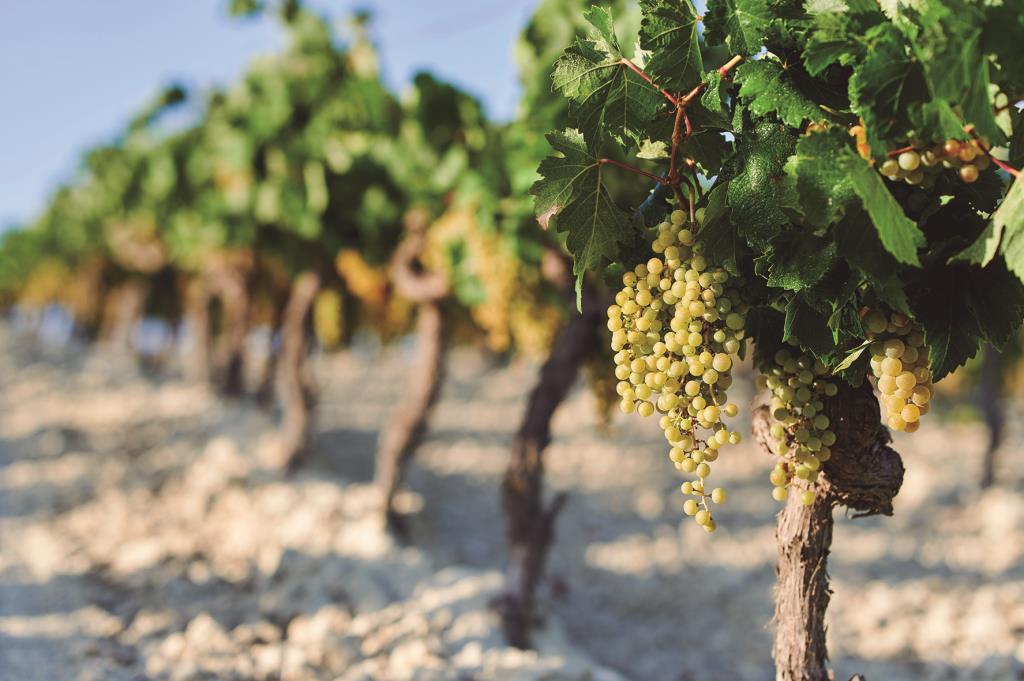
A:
[682, 130]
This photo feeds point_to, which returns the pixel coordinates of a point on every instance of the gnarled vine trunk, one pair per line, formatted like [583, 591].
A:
[197, 311]
[863, 474]
[293, 389]
[125, 307]
[529, 519]
[228, 283]
[990, 399]
[407, 425]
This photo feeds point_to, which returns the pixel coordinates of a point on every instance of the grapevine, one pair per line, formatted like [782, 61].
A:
[867, 193]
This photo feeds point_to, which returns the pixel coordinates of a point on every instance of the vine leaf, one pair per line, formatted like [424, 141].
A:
[738, 24]
[570, 193]
[564, 176]
[669, 32]
[607, 98]
[824, 187]
[837, 27]
[899, 234]
[1008, 230]
[946, 39]
[766, 88]
[711, 99]
[886, 87]
[798, 260]
[851, 357]
[758, 189]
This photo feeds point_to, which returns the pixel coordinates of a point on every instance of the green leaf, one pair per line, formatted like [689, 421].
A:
[1008, 229]
[571, 193]
[563, 177]
[755, 192]
[767, 88]
[824, 187]
[711, 99]
[857, 241]
[941, 304]
[851, 357]
[836, 32]
[798, 260]
[669, 32]
[886, 87]
[596, 227]
[740, 25]
[996, 300]
[899, 234]
[808, 324]
[607, 99]
[717, 234]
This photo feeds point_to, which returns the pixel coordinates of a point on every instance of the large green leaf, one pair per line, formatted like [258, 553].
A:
[669, 32]
[607, 98]
[571, 196]
[740, 25]
[766, 88]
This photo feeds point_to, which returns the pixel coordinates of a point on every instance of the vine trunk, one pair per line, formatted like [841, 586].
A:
[529, 520]
[863, 474]
[293, 386]
[408, 423]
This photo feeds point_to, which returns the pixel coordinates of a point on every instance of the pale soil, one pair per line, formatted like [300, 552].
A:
[142, 536]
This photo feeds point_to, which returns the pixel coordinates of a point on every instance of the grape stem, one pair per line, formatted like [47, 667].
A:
[988, 151]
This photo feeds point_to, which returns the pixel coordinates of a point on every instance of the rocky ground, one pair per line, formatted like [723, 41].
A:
[143, 535]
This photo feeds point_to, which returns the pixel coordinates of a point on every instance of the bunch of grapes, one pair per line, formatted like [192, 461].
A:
[801, 428]
[900, 364]
[919, 164]
[328, 320]
[677, 327]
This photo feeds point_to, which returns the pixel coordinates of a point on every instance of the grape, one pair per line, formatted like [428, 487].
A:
[969, 173]
[677, 327]
[909, 160]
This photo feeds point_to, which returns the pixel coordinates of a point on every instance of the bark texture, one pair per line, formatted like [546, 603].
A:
[864, 474]
[293, 387]
[407, 425]
[529, 519]
[990, 399]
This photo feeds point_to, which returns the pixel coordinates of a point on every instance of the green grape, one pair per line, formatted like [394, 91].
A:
[677, 328]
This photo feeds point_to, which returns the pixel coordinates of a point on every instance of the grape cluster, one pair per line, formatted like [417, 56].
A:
[900, 364]
[677, 327]
[801, 428]
[919, 164]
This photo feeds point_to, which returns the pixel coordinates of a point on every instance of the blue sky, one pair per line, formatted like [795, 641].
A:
[73, 71]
